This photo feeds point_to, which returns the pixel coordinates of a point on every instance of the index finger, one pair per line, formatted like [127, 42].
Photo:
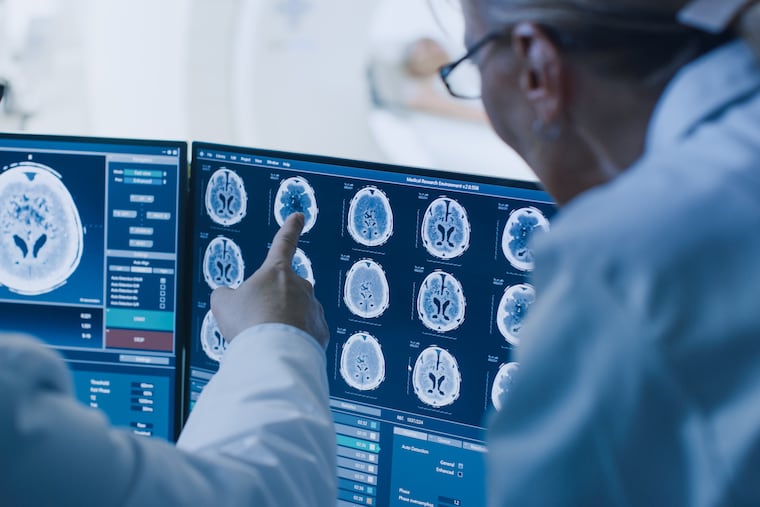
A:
[286, 240]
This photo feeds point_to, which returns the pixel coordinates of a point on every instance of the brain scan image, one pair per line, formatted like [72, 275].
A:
[436, 378]
[226, 199]
[42, 234]
[212, 341]
[445, 229]
[370, 218]
[515, 243]
[513, 307]
[223, 264]
[362, 364]
[503, 382]
[294, 195]
[441, 303]
[366, 292]
[302, 266]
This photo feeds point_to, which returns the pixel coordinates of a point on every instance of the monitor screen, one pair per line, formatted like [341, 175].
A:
[424, 281]
[89, 255]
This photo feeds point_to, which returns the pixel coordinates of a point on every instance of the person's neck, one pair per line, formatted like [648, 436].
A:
[611, 121]
[617, 129]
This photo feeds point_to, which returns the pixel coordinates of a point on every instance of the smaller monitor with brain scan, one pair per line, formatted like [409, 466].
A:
[90, 251]
[425, 280]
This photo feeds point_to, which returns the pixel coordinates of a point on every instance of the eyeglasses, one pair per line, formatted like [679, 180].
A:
[613, 28]
[462, 77]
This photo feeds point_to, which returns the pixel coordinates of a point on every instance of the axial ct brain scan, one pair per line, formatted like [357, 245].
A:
[441, 303]
[370, 217]
[436, 378]
[212, 341]
[422, 305]
[366, 292]
[226, 198]
[505, 379]
[515, 243]
[296, 195]
[362, 364]
[42, 234]
[446, 229]
[223, 264]
[302, 266]
[513, 307]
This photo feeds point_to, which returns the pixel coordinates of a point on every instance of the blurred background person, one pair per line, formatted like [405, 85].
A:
[422, 89]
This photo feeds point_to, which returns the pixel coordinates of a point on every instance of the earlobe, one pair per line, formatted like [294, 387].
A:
[541, 72]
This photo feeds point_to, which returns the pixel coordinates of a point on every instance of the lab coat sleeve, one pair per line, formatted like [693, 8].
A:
[266, 410]
[261, 435]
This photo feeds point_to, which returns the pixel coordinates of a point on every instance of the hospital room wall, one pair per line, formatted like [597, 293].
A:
[279, 74]
[235, 71]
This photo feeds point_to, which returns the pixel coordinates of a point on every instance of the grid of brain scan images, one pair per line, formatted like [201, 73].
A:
[424, 278]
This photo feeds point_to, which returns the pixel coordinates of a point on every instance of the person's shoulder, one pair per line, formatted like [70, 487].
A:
[676, 210]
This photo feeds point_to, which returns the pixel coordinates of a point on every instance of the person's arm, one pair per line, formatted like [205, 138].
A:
[422, 96]
[53, 450]
[266, 411]
[267, 407]
[261, 435]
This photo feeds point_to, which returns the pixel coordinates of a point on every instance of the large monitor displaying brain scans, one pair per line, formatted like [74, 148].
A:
[89, 258]
[425, 281]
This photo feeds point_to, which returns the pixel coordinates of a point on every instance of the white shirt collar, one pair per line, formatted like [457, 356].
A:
[702, 89]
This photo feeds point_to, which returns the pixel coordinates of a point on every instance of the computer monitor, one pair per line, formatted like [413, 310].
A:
[90, 235]
[423, 279]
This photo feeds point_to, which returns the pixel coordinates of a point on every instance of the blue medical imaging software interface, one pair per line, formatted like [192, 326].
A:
[424, 278]
[89, 244]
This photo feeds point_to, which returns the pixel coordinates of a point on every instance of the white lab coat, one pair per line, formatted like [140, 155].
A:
[640, 360]
[261, 434]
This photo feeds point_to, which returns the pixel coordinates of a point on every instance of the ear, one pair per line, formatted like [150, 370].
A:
[541, 74]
